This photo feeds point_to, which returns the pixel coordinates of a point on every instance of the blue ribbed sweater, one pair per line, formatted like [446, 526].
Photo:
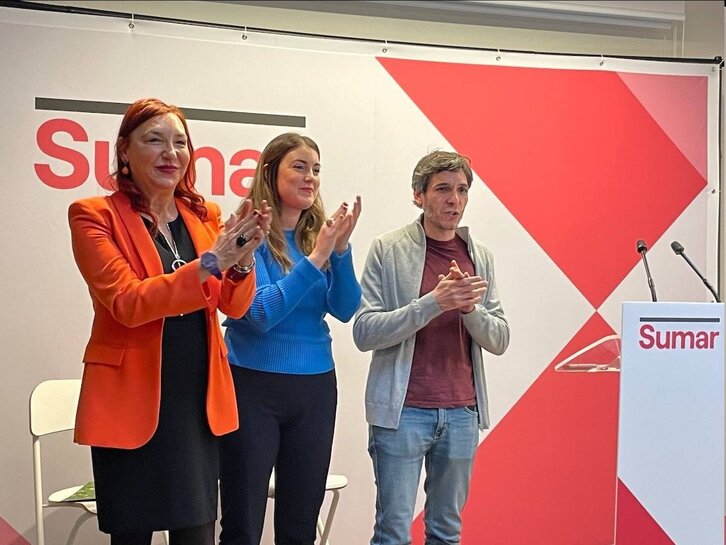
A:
[284, 331]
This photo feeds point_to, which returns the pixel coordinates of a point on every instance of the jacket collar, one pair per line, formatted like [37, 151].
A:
[143, 245]
[201, 234]
[141, 242]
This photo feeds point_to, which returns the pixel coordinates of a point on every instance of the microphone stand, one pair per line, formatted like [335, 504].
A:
[703, 278]
[651, 285]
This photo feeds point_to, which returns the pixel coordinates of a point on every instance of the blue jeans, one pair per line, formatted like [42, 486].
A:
[446, 440]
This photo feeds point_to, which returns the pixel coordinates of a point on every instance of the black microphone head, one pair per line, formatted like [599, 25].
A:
[640, 245]
[677, 248]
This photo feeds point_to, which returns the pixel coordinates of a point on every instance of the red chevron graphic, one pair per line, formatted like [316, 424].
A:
[573, 155]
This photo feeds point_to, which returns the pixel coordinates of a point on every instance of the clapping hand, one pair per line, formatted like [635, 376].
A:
[459, 290]
[242, 234]
[334, 233]
[349, 222]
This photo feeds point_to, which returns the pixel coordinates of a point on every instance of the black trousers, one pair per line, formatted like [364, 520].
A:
[197, 535]
[286, 422]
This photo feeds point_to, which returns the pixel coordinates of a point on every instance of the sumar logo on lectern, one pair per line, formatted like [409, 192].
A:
[680, 337]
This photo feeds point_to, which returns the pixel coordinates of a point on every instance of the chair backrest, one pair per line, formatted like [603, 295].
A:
[53, 406]
[52, 409]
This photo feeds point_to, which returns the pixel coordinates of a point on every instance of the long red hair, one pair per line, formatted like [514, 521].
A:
[138, 113]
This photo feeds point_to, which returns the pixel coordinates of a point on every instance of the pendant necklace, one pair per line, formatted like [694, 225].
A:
[178, 262]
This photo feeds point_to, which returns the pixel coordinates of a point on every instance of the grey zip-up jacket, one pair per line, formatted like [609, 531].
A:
[391, 312]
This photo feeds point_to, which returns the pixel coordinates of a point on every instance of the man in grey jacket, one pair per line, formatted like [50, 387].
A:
[429, 307]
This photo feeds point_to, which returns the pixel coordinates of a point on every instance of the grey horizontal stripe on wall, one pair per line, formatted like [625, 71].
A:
[119, 108]
[694, 320]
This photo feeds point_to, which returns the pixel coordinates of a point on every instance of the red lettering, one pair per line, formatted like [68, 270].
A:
[662, 339]
[216, 163]
[238, 177]
[79, 164]
[676, 340]
[239, 181]
[646, 334]
[680, 339]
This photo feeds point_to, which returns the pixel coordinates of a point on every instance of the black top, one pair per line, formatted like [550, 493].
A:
[171, 481]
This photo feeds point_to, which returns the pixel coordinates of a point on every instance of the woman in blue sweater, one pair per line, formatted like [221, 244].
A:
[281, 355]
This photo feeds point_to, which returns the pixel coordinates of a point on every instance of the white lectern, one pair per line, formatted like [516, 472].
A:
[671, 423]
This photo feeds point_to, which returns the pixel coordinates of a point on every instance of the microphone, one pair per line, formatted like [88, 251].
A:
[678, 249]
[642, 250]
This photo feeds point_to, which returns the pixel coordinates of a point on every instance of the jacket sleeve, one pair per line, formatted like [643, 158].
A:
[235, 296]
[376, 326]
[131, 300]
[486, 323]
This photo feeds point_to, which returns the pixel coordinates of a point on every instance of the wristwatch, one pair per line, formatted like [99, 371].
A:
[210, 263]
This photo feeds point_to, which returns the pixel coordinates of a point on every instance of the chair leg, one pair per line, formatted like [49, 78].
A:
[325, 530]
[39, 522]
[77, 526]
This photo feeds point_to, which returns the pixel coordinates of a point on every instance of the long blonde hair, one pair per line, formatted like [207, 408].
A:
[264, 187]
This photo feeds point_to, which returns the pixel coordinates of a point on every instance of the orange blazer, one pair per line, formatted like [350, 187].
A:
[121, 387]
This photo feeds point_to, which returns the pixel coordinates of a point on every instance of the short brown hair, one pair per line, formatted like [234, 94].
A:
[439, 161]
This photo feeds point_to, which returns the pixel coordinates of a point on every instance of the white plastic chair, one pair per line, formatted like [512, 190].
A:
[334, 484]
[52, 410]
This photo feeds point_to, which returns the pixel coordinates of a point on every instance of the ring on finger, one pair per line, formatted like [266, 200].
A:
[241, 240]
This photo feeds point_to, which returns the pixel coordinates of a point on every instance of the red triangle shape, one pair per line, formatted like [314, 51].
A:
[9, 536]
[679, 105]
[635, 526]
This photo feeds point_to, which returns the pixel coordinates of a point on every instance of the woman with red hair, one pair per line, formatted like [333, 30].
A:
[157, 389]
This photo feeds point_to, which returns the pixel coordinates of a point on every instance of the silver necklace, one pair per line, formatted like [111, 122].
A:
[178, 262]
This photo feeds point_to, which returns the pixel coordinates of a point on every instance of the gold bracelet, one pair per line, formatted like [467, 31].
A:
[237, 271]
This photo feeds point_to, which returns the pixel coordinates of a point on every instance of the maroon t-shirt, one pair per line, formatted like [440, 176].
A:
[441, 373]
